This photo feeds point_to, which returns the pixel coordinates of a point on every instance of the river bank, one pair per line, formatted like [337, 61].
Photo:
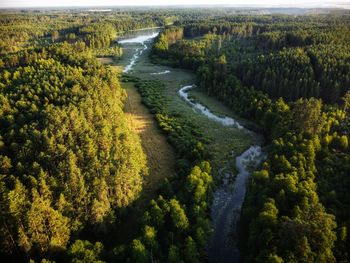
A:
[229, 196]
[224, 141]
[234, 148]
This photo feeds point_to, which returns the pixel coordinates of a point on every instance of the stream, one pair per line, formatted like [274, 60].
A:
[229, 197]
[140, 38]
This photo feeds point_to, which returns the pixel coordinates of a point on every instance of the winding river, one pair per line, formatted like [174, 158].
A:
[140, 39]
[229, 197]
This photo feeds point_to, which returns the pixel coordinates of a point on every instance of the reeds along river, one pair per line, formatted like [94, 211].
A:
[229, 197]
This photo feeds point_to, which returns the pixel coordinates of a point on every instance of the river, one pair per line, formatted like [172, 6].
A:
[139, 39]
[229, 197]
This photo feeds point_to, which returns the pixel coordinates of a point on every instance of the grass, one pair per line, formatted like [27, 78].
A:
[106, 60]
[221, 109]
[225, 142]
[160, 155]
[160, 162]
[215, 106]
[128, 52]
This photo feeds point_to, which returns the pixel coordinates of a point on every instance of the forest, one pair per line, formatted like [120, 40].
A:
[292, 77]
[72, 171]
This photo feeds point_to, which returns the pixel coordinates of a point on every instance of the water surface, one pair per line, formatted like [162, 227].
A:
[229, 197]
[161, 73]
[225, 121]
[137, 40]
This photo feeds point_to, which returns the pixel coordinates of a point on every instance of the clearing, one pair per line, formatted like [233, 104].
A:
[160, 155]
[106, 60]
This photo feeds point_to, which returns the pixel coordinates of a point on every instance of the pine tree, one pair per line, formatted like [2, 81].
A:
[190, 251]
[139, 253]
[178, 215]
[47, 228]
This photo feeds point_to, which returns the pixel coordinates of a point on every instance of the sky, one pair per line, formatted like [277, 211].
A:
[240, 3]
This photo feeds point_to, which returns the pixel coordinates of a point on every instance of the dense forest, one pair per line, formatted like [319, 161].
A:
[69, 162]
[71, 169]
[68, 159]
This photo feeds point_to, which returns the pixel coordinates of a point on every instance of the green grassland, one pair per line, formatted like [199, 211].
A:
[225, 142]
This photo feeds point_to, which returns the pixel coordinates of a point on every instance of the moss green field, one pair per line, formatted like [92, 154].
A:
[225, 142]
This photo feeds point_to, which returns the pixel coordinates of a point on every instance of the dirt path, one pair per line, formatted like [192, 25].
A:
[160, 155]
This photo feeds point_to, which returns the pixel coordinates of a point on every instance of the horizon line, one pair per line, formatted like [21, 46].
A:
[311, 6]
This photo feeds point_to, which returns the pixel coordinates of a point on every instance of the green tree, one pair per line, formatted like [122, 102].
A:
[178, 215]
[139, 253]
[307, 115]
[55, 36]
[47, 228]
[150, 239]
[85, 252]
[174, 255]
[190, 251]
